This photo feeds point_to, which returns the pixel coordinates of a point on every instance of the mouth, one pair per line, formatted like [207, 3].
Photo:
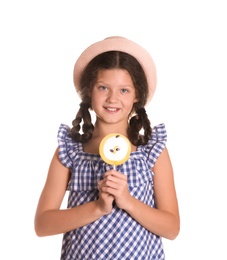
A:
[112, 109]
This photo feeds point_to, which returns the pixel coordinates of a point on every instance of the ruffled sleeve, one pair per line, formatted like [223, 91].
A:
[156, 144]
[67, 147]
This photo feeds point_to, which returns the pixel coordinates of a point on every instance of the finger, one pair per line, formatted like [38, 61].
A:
[115, 174]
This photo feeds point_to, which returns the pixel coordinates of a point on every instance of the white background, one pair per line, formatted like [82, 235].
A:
[40, 42]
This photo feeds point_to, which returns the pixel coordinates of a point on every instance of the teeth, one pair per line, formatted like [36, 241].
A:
[111, 109]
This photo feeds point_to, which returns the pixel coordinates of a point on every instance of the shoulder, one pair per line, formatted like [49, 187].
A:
[68, 148]
[63, 131]
[159, 132]
[155, 145]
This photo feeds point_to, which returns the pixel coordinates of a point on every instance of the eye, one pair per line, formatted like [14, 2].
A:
[124, 90]
[101, 87]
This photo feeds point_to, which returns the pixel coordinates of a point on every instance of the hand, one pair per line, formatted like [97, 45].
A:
[115, 184]
[105, 200]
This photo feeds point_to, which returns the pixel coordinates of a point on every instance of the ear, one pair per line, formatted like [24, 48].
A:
[135, 100]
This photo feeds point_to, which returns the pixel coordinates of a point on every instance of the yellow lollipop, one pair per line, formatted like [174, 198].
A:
[115, 149]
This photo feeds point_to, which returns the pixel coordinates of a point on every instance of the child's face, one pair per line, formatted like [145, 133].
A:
[113, 95]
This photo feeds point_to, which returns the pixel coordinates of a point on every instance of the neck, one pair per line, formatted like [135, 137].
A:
[102, 129]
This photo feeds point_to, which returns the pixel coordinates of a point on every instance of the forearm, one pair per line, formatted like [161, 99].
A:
[53, 222]
[162, 223]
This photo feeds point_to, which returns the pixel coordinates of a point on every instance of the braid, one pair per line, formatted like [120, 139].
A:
[137, 123]
[83, 116]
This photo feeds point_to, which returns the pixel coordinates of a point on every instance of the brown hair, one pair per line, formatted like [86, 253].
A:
[138, 122]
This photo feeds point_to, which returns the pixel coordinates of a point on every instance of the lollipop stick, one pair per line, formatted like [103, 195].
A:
[114, 167]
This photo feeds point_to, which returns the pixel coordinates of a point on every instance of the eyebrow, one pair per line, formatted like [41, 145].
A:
[102, 82]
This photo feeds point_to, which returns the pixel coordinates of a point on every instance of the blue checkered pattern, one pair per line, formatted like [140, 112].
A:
[115, 236]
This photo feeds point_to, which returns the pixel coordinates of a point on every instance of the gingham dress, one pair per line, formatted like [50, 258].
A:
[116, 236]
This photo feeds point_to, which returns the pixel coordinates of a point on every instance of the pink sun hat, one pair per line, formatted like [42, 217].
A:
[118, 43]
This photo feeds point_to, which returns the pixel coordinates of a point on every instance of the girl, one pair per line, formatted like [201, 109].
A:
[119, 213]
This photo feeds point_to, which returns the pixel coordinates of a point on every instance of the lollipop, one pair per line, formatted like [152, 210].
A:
[115, 149]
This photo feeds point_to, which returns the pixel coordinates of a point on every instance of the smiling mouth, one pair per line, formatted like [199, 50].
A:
[112, 109]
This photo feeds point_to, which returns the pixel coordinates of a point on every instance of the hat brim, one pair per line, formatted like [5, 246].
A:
[117, 43]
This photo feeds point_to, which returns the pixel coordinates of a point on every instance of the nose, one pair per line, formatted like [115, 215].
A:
[112, 96]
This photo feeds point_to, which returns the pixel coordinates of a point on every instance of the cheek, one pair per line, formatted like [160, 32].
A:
[95, 101]
[93, 97]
